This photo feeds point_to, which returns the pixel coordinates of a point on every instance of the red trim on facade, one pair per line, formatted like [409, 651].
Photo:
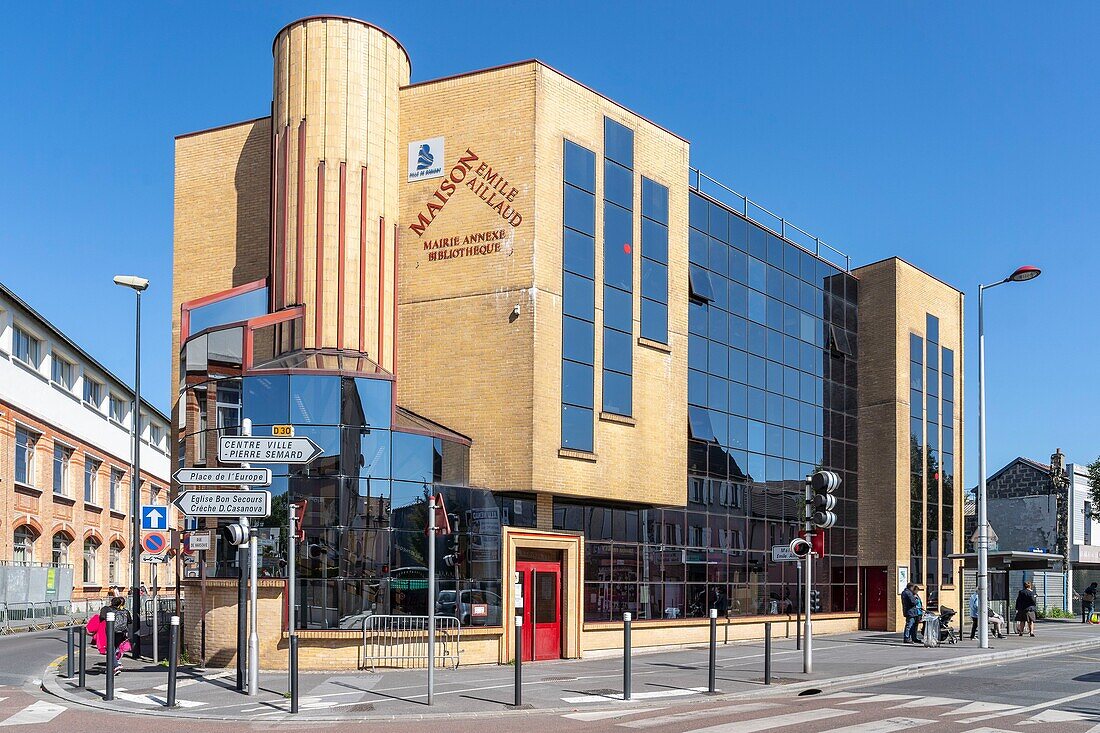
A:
[187, 306]
[273, 247]
[253, 324]
[29, 522]
[362, 258]
[301, 216]
[394, 346]
[280, 232]
[319, 290]
[341, 251]
[381, 284]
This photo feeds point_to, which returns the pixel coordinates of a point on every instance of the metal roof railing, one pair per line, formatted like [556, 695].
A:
[771, 221]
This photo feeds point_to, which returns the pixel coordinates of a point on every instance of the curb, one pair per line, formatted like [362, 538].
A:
[52, 686]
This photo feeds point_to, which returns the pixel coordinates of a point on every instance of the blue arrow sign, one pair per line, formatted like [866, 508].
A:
[154, 516]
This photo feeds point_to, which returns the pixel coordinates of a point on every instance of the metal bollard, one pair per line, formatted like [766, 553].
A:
[626, 655]
[173, 659]
[294, 673]
[69, 632]
[768, 653]
[713, 650]
[83, 641]
[110, 656]
[518, 684]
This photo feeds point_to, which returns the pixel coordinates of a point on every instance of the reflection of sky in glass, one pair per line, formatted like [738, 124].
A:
[237, 308]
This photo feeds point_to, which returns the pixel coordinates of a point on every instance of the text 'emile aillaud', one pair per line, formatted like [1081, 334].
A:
[490, 186]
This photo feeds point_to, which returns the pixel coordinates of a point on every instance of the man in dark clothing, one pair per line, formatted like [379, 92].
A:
[910, 608]
[1088, 602]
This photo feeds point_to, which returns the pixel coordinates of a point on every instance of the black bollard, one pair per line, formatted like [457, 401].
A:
[768, 653]
[293, 673]
[82, 641]
[110, 656]
[626, 655]
[713, 650]
[518, 684]
[173, 659]
[69, 633]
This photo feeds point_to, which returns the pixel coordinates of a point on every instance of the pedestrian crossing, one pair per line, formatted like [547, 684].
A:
[36, 713]
[849, 712]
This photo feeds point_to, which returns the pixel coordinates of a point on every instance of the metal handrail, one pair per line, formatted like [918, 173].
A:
[784, 225]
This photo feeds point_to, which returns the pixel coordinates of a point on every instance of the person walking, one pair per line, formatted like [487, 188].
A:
[912, 609]
[1026, 603]
[995, 621]
[1088, 602]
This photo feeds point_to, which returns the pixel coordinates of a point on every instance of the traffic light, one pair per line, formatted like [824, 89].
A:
[815, 601]
[800, 547]
[236, 533]
[820, 501]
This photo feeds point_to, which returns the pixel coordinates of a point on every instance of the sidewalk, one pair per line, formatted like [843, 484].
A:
[477, 691]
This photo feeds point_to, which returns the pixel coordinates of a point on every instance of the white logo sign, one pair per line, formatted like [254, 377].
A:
[425, 159]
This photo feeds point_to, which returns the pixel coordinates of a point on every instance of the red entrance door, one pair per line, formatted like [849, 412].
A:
[541, 609]
[874, 598]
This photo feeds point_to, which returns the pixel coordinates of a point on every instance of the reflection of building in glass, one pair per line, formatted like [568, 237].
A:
[618, 399]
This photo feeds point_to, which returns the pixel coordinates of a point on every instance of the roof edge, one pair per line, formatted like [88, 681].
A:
[904, 261]
[349, 19]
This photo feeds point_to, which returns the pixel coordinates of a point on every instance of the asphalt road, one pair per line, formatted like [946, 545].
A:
[23, 656]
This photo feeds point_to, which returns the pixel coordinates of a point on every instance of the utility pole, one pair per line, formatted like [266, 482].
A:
[1059, 482]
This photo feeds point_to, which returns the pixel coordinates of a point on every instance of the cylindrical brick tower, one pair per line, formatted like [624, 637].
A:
[337, 166]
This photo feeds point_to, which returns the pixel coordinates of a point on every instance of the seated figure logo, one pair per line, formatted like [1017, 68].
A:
[425, 159]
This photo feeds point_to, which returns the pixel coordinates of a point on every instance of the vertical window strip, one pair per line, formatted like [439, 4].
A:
[654, 316]
[618, 251]
[918, 459]
[578, 298]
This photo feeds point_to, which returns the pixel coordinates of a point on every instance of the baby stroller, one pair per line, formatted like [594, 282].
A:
[937, 629]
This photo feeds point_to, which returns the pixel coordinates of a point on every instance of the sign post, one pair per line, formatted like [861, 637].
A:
[431, 597]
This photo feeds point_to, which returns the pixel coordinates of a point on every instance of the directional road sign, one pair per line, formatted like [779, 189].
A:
[224, 476]
[782, 553]
[242, 449]
[154, 543]
[154, 516]
[214, 503]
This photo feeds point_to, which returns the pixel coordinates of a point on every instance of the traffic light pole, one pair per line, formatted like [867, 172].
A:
[808, 631]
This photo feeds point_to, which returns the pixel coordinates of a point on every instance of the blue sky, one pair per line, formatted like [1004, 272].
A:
[959, 136]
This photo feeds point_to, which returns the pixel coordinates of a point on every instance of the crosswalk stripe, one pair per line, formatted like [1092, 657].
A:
[1059, 716]
[930, 702]
[874, 699]
[983, 707]
[889, 725]
[607, 714]
[838, 695]
[751, 707]
[636, 696]
[988, 730]
[34, 714]
[774, 721]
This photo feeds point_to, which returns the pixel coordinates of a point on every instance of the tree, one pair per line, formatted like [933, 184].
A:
[1094, 487]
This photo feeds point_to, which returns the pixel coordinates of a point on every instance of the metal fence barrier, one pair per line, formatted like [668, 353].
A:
[402, 641]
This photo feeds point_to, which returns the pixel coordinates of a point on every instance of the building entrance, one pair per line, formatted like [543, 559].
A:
[541, 582]
[874, 610]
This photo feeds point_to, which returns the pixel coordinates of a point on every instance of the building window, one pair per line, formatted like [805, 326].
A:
[61, 542]
[1088, 522]
[654, 261]
[203, 426]
[114, 564]
[118, 409]
[578, 299]
[618, 268]
[25, 443]
[26, 348]
[23, 545]
[91, 561]
[62, 457]
[91, 473]
[64, 373]
[116, 489]
[93, 392]
[229, 407]
[156, 435]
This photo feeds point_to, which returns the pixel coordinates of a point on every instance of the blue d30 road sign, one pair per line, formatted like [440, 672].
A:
[154, 516]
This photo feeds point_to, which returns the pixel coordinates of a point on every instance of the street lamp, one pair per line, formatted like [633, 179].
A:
[138, 285]
[1022, 274]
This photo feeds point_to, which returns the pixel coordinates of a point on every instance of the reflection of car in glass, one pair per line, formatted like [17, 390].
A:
[449, 603]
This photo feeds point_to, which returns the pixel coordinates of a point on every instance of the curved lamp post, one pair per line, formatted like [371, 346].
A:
[1022, 274]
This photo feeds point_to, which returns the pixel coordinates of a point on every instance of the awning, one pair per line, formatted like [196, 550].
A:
[1009, 560]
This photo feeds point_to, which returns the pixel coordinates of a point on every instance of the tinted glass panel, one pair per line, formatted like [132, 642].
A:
[578, 341]
[580, 210]
[654, 280]
[577, 381]
[618, 142]
[655, 321]
[315, 400]
[654, 240]
[617, 309]
[618, 250]
[580, 297]
[616, 393]
[375, 400]
[267, 400]
[412, 457]
[229, 310]
[576, 428]
[618, 184]
[580, 253]
[654, 200]
[580, 166]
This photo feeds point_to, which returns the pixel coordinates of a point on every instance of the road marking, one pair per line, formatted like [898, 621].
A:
[1059, 716]
[988, 730]
[693, 714]
[193, 680]
[34, 714]
[606, 714]
[638, 696]
[1035, 708]
[838, 695]
[999, 708]
[880, 699]
[155, 700]
[930, 702]
[889, 725]
[774, 721]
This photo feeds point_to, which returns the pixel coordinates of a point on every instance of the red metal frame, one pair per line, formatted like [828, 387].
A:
[284, 210]
[381, 283]
[362, 257]
[188, 306]
[300, 213]
[250, 326]
[273, 247]
[394, 335]
[341, 234]
[319, 288]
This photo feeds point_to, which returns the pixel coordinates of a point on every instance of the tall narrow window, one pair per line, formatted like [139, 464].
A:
[23, 545]
[116, 489]
[63, 372]
[654, 261]
[25, 442]
[62, 456]
[618, 268]
[91, 561]
[61, 542]
[114, 564]
[917, 459]
[91, 475]
[578, 298]
[1088, 522]
[201, 428]
[26, 348]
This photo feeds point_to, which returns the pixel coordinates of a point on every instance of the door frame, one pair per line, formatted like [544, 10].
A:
[530, 624]
[572, 575]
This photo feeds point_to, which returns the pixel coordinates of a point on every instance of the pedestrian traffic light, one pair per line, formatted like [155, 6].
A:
[800, 547]
[820, 501]
[815, 601]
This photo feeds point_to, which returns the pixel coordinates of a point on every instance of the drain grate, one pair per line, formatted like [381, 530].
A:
[363, 708]
[559, 679]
